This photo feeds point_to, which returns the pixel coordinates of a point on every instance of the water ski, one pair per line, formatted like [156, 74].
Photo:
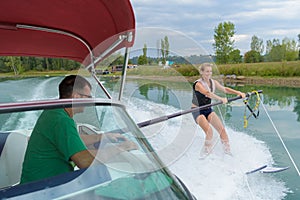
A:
[274, 169]
[256, 169]
[268, 169]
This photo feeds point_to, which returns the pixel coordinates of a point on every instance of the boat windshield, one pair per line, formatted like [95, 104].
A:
[135, 174]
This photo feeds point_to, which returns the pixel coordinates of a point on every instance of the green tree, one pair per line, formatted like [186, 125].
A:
[291, 51]
[257, 44]
[276, 54]
[299, 46]
[224, 41]
[235, 56]
[286, 50]
[145, 54]
[252, 56]
[14, 62]
[47, 64]
[142, 60]
[3, 67]
[165, 46]
[269, 46]
[162, 49]
[257, 49]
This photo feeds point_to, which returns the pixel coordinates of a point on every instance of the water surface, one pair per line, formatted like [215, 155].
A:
[178, 141]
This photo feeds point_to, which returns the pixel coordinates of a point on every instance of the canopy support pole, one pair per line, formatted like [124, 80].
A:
[124, 73]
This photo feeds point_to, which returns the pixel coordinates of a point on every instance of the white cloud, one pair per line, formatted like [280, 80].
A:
[284, 32]
[197, 18]
[240, 38]
[267, 10]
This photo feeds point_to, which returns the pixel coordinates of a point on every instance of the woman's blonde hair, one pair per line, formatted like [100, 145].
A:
[203, 65]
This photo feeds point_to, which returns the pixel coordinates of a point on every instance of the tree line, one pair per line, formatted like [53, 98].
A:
[273, 51]
[19, 64]
[163, 50]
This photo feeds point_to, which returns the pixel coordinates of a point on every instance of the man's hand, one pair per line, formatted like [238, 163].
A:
[128, 145]
[114, 137]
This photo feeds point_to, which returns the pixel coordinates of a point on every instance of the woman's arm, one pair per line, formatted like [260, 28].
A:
[199, 87]
[228, 90]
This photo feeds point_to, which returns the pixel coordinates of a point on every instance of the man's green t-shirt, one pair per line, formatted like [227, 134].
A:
[53, 141]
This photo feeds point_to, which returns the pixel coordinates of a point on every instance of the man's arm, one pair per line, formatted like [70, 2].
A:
[90, 139]
[82, 159]
[94, 138]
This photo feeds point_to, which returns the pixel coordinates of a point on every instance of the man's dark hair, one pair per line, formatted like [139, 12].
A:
[72, 83]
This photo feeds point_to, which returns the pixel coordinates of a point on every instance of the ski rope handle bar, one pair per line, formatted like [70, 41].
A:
[252, 110]
[167, 117]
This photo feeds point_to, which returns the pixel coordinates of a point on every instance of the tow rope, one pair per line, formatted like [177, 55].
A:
[250, 101]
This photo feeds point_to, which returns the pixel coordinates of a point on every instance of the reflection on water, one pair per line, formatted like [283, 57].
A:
[282, 98]
[162, 92]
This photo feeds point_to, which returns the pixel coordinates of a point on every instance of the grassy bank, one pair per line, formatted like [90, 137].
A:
[267, 73]
[265, 69]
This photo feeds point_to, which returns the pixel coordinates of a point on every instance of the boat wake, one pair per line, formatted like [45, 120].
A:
[179, 141]
[42, 91]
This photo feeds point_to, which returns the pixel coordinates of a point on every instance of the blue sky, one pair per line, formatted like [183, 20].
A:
[197, 19]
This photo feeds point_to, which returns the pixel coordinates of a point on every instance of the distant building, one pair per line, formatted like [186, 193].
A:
[100, 71]
[118, 68]
[131, 66]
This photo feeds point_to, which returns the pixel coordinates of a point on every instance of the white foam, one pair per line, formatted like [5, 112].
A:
[41, 91]
[218, 176]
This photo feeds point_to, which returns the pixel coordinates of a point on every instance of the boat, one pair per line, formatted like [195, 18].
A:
[87, 32]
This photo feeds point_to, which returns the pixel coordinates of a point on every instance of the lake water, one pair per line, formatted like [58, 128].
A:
[179, 141]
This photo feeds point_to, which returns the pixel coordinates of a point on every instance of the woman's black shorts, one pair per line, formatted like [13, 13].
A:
[205, 112]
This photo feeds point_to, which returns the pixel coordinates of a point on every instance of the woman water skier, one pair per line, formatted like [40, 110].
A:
[203, 92]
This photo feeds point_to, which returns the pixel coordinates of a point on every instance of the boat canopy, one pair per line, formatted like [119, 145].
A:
[71, 29]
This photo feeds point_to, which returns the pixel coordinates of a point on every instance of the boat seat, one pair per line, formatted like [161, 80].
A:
[60, 185]
[3, 137]
[13, 145]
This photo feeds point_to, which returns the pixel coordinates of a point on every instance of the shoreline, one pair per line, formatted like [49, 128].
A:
[240, 80]
[278, 81]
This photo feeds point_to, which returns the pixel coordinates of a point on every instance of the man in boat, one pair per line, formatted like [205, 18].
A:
[55, 141]
[203, 92]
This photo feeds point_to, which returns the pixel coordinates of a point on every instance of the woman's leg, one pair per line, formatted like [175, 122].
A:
[218, 125]
[204, 124]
